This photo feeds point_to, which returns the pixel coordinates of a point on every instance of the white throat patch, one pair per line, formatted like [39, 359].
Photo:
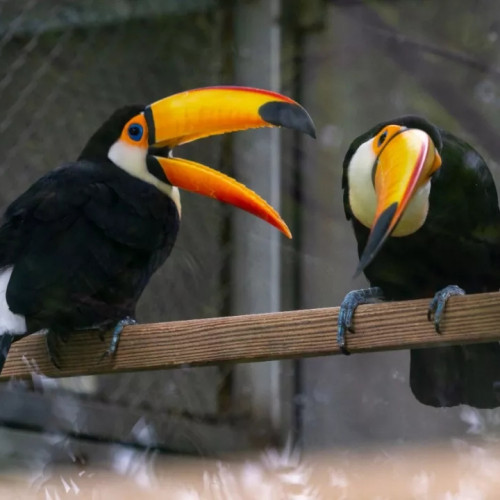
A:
[132, 159]
[363, 199]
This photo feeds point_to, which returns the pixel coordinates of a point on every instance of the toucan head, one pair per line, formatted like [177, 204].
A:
[388, 172]
[140, 139]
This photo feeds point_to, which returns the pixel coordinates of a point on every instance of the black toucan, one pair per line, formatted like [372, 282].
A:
[424, 208]
[79, 246]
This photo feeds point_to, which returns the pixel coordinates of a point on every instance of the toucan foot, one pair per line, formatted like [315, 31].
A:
[52, 343]
[351, 301]
[113, 345]
[438, 303]
[6, 340]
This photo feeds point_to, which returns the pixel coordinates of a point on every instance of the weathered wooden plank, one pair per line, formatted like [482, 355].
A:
[384, 326]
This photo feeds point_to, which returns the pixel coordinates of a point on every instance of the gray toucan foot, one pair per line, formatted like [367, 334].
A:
[113, 345]
[438, 303]
[52, 343]
[6, 340]
[351, 301]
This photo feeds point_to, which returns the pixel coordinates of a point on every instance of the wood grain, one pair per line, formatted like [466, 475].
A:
[292, 334]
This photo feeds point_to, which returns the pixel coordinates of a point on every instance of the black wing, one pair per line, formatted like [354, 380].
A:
[84, 237]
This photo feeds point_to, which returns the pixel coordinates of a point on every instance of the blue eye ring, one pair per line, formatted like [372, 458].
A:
[135, 131]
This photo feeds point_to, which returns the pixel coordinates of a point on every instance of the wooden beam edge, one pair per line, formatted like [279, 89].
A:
[291, 334]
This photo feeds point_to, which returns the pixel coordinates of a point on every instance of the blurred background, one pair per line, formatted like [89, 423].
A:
[65, 65]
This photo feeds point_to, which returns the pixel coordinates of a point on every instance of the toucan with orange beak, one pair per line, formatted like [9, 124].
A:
[424, 209]
[79, 246]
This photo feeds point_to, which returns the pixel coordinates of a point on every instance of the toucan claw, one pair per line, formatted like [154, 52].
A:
[52, 344]
[346, 313]
[115, 338]
[6, 340]
[438, 304]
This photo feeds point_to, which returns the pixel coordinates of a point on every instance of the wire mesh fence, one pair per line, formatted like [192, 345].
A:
[64, 68]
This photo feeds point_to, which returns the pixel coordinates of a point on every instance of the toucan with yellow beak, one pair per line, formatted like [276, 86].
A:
[79, 246]
[424, 209]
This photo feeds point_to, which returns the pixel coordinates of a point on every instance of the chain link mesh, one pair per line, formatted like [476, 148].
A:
[64, 68]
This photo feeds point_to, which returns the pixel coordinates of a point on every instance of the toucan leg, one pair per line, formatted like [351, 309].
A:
[113, 345]
[351, 301]
[438, 303]
[52, 341]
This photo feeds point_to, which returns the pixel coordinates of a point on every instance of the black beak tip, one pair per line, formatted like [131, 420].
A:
[363, 262]
[358, 271]
[289, 115]
[378, 235]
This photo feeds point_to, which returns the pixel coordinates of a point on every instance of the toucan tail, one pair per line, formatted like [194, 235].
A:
[5, 343]
[464, 374]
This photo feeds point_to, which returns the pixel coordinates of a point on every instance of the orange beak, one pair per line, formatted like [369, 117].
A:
[199, 113]
[403, 166]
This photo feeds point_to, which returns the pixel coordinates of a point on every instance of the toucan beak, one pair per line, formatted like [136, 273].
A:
[403, 166]
[199, 113]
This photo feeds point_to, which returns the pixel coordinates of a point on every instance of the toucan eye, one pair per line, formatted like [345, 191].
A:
[382, 138]
[135, 132]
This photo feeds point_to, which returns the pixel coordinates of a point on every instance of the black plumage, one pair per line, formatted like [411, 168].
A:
[85, 239]
[459, 243]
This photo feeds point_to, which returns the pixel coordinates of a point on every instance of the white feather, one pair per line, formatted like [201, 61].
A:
[362, 196]
[132, 159]
[14, 324]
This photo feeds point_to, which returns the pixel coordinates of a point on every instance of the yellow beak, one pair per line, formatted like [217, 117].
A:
[199, 113]
[403, 165]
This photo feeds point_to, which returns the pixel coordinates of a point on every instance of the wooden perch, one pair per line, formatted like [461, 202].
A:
[292, 334]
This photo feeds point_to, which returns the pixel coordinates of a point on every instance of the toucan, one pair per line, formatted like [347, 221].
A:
[79, 246]
[424, 209]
